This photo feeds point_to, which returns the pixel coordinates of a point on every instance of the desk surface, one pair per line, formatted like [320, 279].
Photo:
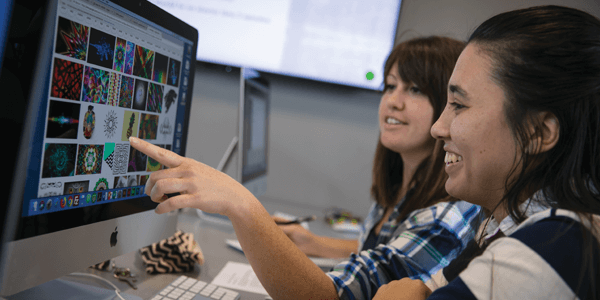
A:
[211, 236]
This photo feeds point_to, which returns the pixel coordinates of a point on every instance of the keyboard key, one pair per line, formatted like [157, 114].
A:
[186, 288]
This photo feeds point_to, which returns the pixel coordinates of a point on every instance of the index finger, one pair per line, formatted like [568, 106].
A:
[163, 156]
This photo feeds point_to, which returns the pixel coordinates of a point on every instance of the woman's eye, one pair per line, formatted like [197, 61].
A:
[456, 106]
[414, 90]
[389, 87]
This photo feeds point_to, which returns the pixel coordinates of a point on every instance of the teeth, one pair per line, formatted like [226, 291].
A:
[452, 158]
[392, 121]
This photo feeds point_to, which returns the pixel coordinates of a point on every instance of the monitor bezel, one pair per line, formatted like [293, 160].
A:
[17, 251]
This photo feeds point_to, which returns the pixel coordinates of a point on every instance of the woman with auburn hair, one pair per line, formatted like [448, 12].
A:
[416, 228]
[523, 115]
[415, 76]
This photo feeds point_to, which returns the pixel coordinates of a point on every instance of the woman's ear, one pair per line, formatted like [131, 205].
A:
[545, 134]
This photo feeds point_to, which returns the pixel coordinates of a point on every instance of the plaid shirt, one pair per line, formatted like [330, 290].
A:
[375, 214]
[422, 244]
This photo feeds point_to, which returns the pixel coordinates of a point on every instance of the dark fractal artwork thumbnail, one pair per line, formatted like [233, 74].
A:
[140, 93]
[95, 85]
[137, 161]
[63, 120]
[148, 127]
[160, 68]
[120, 55]
[155, 98]
[66, 79]
[129, 55]
[89, 159]
[59, 160]
[143, 61]
[173, 72]
[71, 39]
[102, 47]
[126, 95]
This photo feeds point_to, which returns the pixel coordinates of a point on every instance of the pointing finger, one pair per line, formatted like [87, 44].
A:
[163, 156]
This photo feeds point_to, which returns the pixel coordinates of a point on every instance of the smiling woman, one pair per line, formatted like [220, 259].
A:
[522, 120]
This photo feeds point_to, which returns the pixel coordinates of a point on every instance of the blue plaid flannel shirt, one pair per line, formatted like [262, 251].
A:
[418, 247]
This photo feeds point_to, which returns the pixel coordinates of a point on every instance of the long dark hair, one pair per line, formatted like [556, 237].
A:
[428, 63]
[547, 59]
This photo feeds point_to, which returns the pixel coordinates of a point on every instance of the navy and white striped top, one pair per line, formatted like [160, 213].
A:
[540, 258]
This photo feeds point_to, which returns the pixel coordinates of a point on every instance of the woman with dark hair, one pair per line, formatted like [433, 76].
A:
[523, 115]
[415, 77]
[425, 231]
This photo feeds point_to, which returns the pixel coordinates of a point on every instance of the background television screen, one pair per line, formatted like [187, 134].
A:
[337, 41]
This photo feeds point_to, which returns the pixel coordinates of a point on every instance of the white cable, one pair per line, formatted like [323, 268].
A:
[98, 277]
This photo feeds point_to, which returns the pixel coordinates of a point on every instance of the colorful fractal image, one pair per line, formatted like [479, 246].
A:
[95, 85]
[142, 62]
[160, 68]
[59, 160]
[102, 47]
[66, 79]
[71, 39]
[131, 122]
[129, 54]
[173, 72]
[76, 187]
[126, 97]
[63, 120]
[153, 165]
[137, 161]
[89, 159]
[119, 59]
[140, 93]
[148, 127]
[114, 84]
[101, 184]
[89, 122]
[155, 98]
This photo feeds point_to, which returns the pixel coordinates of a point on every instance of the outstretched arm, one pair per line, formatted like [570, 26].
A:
[316, 245]
[280, 266]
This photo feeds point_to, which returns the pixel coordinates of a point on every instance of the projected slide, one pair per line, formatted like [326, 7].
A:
[337, 41]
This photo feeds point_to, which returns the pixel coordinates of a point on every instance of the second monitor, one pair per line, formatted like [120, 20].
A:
[253, 131]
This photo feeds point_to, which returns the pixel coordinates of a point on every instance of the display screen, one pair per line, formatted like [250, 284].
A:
[339, 41]
[256, 125]
[111, 76]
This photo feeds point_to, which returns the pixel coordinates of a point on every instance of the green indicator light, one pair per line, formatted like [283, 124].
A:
[370, 75]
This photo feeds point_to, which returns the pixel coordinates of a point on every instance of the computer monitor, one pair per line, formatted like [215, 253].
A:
[81, 77]
[253, 131]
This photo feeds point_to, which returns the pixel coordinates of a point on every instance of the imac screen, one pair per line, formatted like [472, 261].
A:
[111, 75]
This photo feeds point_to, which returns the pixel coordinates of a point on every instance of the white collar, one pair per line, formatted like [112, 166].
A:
[533, 205]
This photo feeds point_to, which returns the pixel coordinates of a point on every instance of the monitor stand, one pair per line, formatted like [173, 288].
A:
[63, 289]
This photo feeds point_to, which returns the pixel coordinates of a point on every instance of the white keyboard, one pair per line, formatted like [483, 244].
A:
[186, 288]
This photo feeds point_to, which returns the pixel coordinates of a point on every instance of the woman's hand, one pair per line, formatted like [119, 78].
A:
[304, 239]
[199, 185]
[403, 289]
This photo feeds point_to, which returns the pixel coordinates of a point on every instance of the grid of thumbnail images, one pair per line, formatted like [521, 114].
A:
[104, 89]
